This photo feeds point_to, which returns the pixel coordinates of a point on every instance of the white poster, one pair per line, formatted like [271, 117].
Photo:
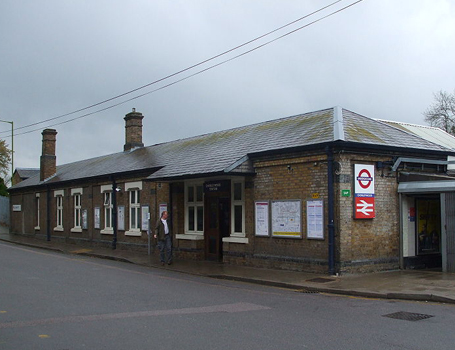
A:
[262, 218]
[145, 218]
[163, 207]
[97, 218]
[286, 219]
[84, 219]
[315, 219]
[121, 218]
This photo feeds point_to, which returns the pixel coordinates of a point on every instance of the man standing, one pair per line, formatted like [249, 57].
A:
[163, 235]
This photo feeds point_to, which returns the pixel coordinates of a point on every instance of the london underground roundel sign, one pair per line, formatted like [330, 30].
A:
[364, 207]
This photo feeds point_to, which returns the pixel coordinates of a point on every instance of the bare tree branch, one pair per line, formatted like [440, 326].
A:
[442, 112]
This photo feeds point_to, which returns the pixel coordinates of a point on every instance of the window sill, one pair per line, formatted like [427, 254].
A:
[136, 233]
[59, 229]
[190, 237]
[76, 229]
[37, 228]
[242, 240]
[107, 232]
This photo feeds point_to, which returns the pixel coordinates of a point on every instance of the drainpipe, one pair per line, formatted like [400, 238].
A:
[170, 207]
[48, 214]
[331, 225]
[114, 214]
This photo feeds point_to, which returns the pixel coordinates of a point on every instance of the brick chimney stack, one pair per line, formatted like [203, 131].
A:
[48, 161]
[133, 130]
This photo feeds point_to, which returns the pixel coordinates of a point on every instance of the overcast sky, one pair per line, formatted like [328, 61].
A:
[380, 58]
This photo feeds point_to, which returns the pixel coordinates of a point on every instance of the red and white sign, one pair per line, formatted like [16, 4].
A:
[364, 207]
[364, 191]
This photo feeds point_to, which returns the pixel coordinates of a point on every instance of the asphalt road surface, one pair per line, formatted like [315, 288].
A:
[54, 301]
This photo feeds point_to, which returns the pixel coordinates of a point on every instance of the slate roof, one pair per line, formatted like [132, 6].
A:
[25, 173]
[221, 152]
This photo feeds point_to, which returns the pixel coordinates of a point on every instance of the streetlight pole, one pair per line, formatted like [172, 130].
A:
[12, 148]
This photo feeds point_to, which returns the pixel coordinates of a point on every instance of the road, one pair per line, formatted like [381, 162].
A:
[55, 301]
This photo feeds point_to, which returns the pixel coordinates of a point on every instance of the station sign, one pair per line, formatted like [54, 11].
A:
[364, 207]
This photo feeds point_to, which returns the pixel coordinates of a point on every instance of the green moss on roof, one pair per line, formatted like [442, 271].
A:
[361, 134]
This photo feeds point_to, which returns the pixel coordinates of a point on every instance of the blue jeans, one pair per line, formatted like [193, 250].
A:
[165, 246]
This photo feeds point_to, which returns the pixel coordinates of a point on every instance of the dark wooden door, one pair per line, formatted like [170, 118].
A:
[216, 225]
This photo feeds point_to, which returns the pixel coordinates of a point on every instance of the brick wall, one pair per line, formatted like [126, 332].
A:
[295, 177]
[366, 245]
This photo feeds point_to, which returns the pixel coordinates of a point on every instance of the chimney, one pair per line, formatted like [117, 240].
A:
[133, 130]
[48, 164]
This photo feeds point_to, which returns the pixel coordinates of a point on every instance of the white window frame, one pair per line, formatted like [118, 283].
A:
[58, 195]
[193, 234]
[37, 212]
[134, 189]
[106, 191]
[237, 237]
[77, 216]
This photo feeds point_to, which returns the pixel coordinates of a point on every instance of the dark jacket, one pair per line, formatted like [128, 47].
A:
[159, 230]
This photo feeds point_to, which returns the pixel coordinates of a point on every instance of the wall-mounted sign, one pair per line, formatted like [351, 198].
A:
[345, 193]
[315, 219]
[217, 186]
[315, 196]
[84, 219]
[145, 216]
[286, 219]
[17, 207]
[262, 218]
[121, 218]
[96, 220]
[364, 191]
[163, 207]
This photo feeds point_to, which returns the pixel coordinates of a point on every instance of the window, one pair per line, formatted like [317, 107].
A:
[106, 191]
[134, 195]
[77, 209]
[238, 209]
[135, 210]
[108, 211]
[194, 202]
[59, 210]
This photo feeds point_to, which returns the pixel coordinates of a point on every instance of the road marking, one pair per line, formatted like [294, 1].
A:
[43, 336]
[3, 312]
[230, 308]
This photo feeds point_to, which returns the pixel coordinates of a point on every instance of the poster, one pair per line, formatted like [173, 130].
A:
[121, 218]
[262, 218]
[96, 221]
[315, 219]
[286, 219]
[84, 219]
[163, 207]
[145, 218]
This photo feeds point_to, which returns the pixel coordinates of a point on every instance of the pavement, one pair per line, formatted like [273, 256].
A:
[416, 285]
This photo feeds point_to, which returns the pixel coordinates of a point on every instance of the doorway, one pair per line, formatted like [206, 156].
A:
[217, 224]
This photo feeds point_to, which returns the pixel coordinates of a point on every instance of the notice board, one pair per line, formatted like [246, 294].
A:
[286, 218]
[262, 218]
[315, 219]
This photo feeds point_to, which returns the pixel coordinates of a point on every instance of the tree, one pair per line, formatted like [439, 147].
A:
[5, 158]
[3, 189]
[442, 112]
